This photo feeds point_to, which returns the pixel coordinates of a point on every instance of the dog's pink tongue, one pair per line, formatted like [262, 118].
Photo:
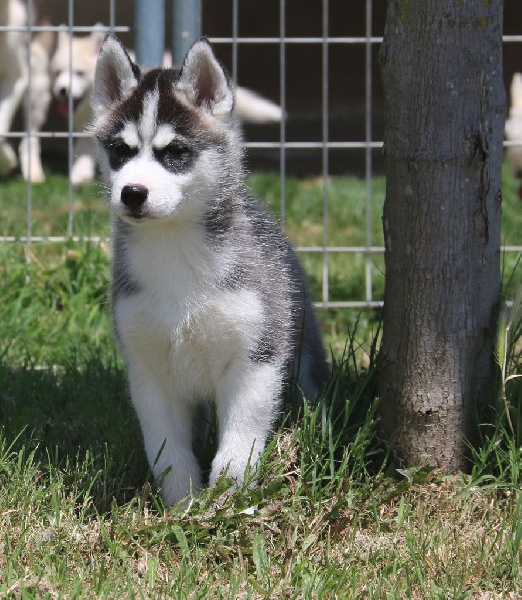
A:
[63, 108]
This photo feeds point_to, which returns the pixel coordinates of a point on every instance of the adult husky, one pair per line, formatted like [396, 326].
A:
[72, 67]
[209, 302]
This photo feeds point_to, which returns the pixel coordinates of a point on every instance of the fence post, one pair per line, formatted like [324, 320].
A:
[186, 28]
[149, 17]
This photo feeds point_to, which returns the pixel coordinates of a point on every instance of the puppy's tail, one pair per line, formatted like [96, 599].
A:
[253, 108]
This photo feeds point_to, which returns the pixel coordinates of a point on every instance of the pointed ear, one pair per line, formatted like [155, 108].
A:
[97, 38]
[204, 81]
[63, 36]
[115, 75]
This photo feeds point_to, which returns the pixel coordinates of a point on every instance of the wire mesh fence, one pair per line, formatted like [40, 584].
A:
[313, 134]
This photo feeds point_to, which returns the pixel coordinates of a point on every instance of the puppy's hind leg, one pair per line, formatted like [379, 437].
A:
[248, 398]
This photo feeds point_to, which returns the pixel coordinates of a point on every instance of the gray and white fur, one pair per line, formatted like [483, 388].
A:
[209, 302]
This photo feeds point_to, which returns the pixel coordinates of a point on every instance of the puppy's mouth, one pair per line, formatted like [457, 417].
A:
[62, 105]
[135, 215]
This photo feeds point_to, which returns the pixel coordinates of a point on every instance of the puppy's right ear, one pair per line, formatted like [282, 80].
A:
[115, 75]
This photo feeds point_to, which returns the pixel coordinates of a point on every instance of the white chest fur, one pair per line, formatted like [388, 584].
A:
[181, 324]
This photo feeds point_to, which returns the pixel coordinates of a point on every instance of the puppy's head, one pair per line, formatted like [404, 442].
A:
[166, 136]
[72, 68]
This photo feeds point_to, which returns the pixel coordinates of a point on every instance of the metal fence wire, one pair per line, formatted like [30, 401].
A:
[147, 33]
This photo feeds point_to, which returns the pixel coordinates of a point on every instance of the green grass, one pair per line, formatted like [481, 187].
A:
[346, 223]
[50, 208]
[80, 516]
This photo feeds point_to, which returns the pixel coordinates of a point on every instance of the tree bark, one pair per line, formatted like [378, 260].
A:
[445, 105]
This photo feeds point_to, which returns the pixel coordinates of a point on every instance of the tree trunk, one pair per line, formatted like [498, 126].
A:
[445, 104]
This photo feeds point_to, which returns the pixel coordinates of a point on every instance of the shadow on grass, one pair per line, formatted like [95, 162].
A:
[79, 421]
[71, 417]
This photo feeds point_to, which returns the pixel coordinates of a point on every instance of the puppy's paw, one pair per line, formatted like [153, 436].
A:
[8, 160]
[83, 170]
[30, 162]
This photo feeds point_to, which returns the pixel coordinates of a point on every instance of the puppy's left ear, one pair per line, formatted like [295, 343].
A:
[204, 81]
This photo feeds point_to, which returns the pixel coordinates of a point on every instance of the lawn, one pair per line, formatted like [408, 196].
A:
[331, 517]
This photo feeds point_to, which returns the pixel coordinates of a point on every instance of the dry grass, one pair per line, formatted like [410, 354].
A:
[438, 538]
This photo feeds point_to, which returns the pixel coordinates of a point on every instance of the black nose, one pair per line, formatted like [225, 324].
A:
[62, 92]
[134, 195]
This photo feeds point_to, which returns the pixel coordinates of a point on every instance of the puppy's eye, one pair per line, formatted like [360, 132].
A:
[119, 153]
[120, 149]
[175, 151]
[174, 157]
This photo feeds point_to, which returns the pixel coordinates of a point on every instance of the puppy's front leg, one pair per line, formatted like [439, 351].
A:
[84, 166]
[166, 424]
[247, 401]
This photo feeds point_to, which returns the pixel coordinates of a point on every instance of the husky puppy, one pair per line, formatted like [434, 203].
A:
[72, 68]
[72, 73]
[209, 302]
[15, 52]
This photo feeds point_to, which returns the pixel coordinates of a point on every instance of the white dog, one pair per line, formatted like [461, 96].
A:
[209, 302]
[513, 128]
[15, 78]
[76, 80]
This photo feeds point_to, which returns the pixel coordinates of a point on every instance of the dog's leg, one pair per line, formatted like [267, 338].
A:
[11, 93]
[30, 161]
[84, 167]
[39, 100]
[167, 433]
[247, 402]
